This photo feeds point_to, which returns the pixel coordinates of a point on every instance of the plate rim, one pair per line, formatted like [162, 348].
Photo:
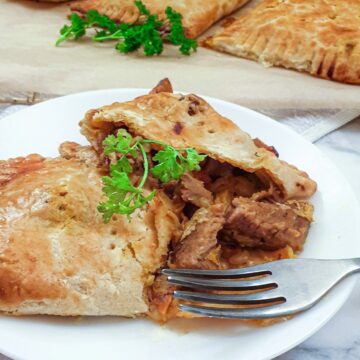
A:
[350, 282]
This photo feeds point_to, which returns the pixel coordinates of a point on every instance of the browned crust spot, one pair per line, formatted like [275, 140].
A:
[178, 128]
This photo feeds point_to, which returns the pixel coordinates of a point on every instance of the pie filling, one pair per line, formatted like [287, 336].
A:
[229, 218]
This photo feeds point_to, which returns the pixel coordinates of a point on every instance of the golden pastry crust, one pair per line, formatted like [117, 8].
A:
[189, 121]
[320, 37]
[58, 257]
[198, 15]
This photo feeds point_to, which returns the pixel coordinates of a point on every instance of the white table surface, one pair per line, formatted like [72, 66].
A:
[339, 339]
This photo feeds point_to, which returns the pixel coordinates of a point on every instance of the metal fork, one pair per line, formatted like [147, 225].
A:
[286, 287]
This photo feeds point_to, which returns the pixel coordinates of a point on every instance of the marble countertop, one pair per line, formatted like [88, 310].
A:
[339, 339]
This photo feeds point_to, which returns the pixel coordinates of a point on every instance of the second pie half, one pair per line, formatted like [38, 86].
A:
[320, 37]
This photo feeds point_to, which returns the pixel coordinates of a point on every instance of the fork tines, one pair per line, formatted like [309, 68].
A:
[230, 284]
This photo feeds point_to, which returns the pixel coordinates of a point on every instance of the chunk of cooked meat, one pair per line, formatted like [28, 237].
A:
[215, 169]
[260, 144]
[199, 238]
[237, 185]
[163, 85]
[265, 225]
[193, 190]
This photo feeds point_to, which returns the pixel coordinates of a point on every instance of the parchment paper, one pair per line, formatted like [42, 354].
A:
[32, 68]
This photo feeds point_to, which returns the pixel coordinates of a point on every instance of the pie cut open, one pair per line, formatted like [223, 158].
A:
[243, 206]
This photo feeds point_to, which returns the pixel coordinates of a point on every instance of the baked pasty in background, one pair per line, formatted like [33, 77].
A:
[315, 36]
[198, 15]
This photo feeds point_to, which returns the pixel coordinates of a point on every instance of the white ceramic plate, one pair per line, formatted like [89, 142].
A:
[335, 234]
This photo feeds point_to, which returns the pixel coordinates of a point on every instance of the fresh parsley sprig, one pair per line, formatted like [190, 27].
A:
[122, 196]
[177, 34]
[172, 164]
[148, 31]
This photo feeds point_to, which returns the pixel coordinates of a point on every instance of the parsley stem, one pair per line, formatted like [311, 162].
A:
[63, 37]
[116, 35]
[146, 170]
[146, 165]
[153, 142]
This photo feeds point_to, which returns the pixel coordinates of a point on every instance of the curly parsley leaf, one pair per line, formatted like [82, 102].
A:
[75, 30]
[172, 164]
[142, 8]
[93, 18]
[145, 34]
[177, 34]
[192, 160]
[122, 165]
[168, 167]
[122, 196]
[120, 144]
[116, 187]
